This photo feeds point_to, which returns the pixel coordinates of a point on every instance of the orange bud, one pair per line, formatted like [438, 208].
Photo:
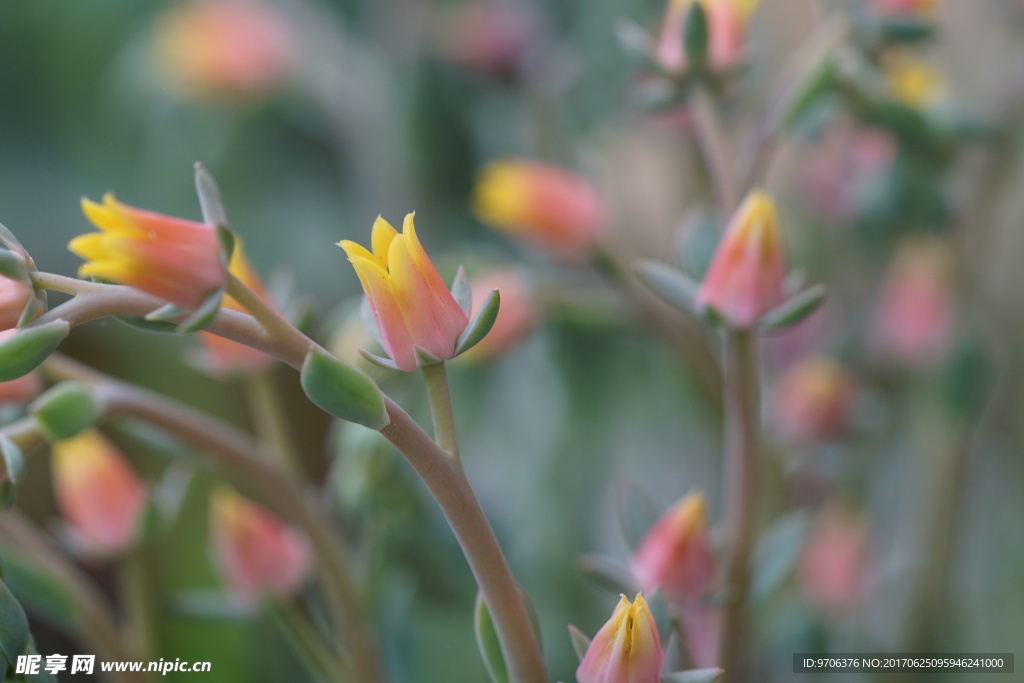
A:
[676, 555]
[540, 203]
[174, 259]
[256, 553]
[517, 315]
[833, 564]
[812, 399]
[224, 48]
[410, 302]
[627, 649]
[745, 278]
[100, 496]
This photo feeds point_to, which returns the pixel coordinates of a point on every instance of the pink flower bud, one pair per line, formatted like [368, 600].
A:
[492, 36]
[833, 564]
[410, 302]
[916, 315]
[728, 22]
[541, 203]
[627, 649]
[745, 278]
[14, 297]
[812, 399]
[676, 555]
[256, 553]
[516, 317]
[100, 496]
[224, 48]
[921, 9]
[174, 259]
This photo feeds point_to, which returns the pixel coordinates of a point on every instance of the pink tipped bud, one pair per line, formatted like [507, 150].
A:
[728, 22]
[100, 496]
[745, 278]
[676, 555]
[813, 398]
[916, 315]
[921, 9]
[224, 48]
[491, 36]
[541, 203]
[832, 567]
[256, 553]
[627, 649]
[14, 297]
[516, 317]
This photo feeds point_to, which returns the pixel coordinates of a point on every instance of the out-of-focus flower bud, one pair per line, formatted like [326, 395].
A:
[14, 297]
[22, 389]
[491, 36]
[100, 496]
[676, 554]
[813, 399]
[727, 20]
[745, 278]
[411, 305]
[174, 259]
[224, 356]
[224, 48]
[627, 649]
[541, 203]
[916, 315]
[833, 565]
[844, 168]
[257, 554]
[516, 317]
[917, 9]
[912, 81]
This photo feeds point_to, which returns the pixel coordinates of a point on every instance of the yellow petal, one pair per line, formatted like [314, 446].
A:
[354, 250]
[91, 246]
[380, 240]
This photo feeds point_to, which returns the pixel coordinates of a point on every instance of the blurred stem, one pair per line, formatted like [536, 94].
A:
[136, 590]
[740, 479]
[272, 322]
[94, 625]
[270, 424]
[436, 378]
[308, 644]
[25, 433]
[233, 450]
[715, 148]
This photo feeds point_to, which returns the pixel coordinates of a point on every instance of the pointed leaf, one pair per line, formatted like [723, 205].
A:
[693, 676]
[378, 360]
[695, 36]
[487, 641]
[35, 307]
[11, 242]
[65, 410]
[815, 83]
[776, 554]
[140, 323]
[342, 390]
[227, 244]
[14, 634]
[481, 323]
[203, 315]
[13, 460]
[580, 642]
[210, 201]
[461, 292]
[795, 309]
[23, 352]
[166, 313]
[424, 357]
[12, 266]
[672, 286]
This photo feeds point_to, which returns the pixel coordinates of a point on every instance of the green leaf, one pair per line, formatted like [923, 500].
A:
[461, 292]
[424, 357]
[42, 592]
[794, 310]
[695, 36]
[166, 313]
[23, 352]
[815, 83]
[905, 30]
[11, 242]
[14, 634]
[35, 307]
[13, 459]
[228, 242]
[343, 391]
[693, 676]
[672, 286]
[140, 323]
[379, 361]
[487, 641]
[65, 410]
[210, 201]
[203, 315]
[580, 642]
[12, 266]
[777, 553]
[481, 323]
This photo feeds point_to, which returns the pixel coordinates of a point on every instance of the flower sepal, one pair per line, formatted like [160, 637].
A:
[695, 36]
[794, 309]
[481, 323]
[14, 471]
[487, 638]
[16, 265]
[23, 351]
[672, 286]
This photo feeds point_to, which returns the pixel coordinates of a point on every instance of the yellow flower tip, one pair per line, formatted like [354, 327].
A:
[692, 510]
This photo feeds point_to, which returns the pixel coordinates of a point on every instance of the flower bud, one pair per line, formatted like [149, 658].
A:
[813, 398]
[517, 315]
[676, 555]
[224, 48]
[917, 9]
[542, 204]
[627, 649]
[492, 37]
[256, 553]
[173, 259]
[411, 305]
[745, 278]
[727, 20]
[14, 297]
[832, 566]
[100, 496]
[916, 316]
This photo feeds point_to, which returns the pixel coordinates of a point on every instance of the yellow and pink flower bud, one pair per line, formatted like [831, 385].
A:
[541, 203]
[918, 9]
[728, 22]
[916, 316]
[813, 399]
[676, 555]
[257, 554]
[224, 48]
[516, 317]
[98, 493]
[627, 649]
[14, 297]
[745, 278]
[410, 302]
[832, 568]
[491, 36]
[224, 356]
[174, 259]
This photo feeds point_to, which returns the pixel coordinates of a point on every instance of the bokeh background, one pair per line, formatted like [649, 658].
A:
[577, 436]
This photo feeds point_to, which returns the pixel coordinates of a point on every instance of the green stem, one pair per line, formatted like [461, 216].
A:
[25, 433]
[436, 378]
[740, 479]
[715, 149]
[136, 585]
[276, 327]
[270, 424]
[308, 644]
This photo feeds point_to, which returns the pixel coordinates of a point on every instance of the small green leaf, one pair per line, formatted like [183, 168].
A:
[424, 357]
[11, 242]
[166, 313]
[12, 266]
[65, 410]
[378, 360]
[815, 83]
[35, 307]
[140, 323]
[343, 391]
[905, 30]
[695, 36]
[14, 634]
[580, 642]
[23, 352]
[794, 310]
[203, 315]
[13, 459]
[461, 292]
[210, 201]
[481, 323]
[777, 553]
[693, 676]
[228, 242]
[487, 640]
[672, 286]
